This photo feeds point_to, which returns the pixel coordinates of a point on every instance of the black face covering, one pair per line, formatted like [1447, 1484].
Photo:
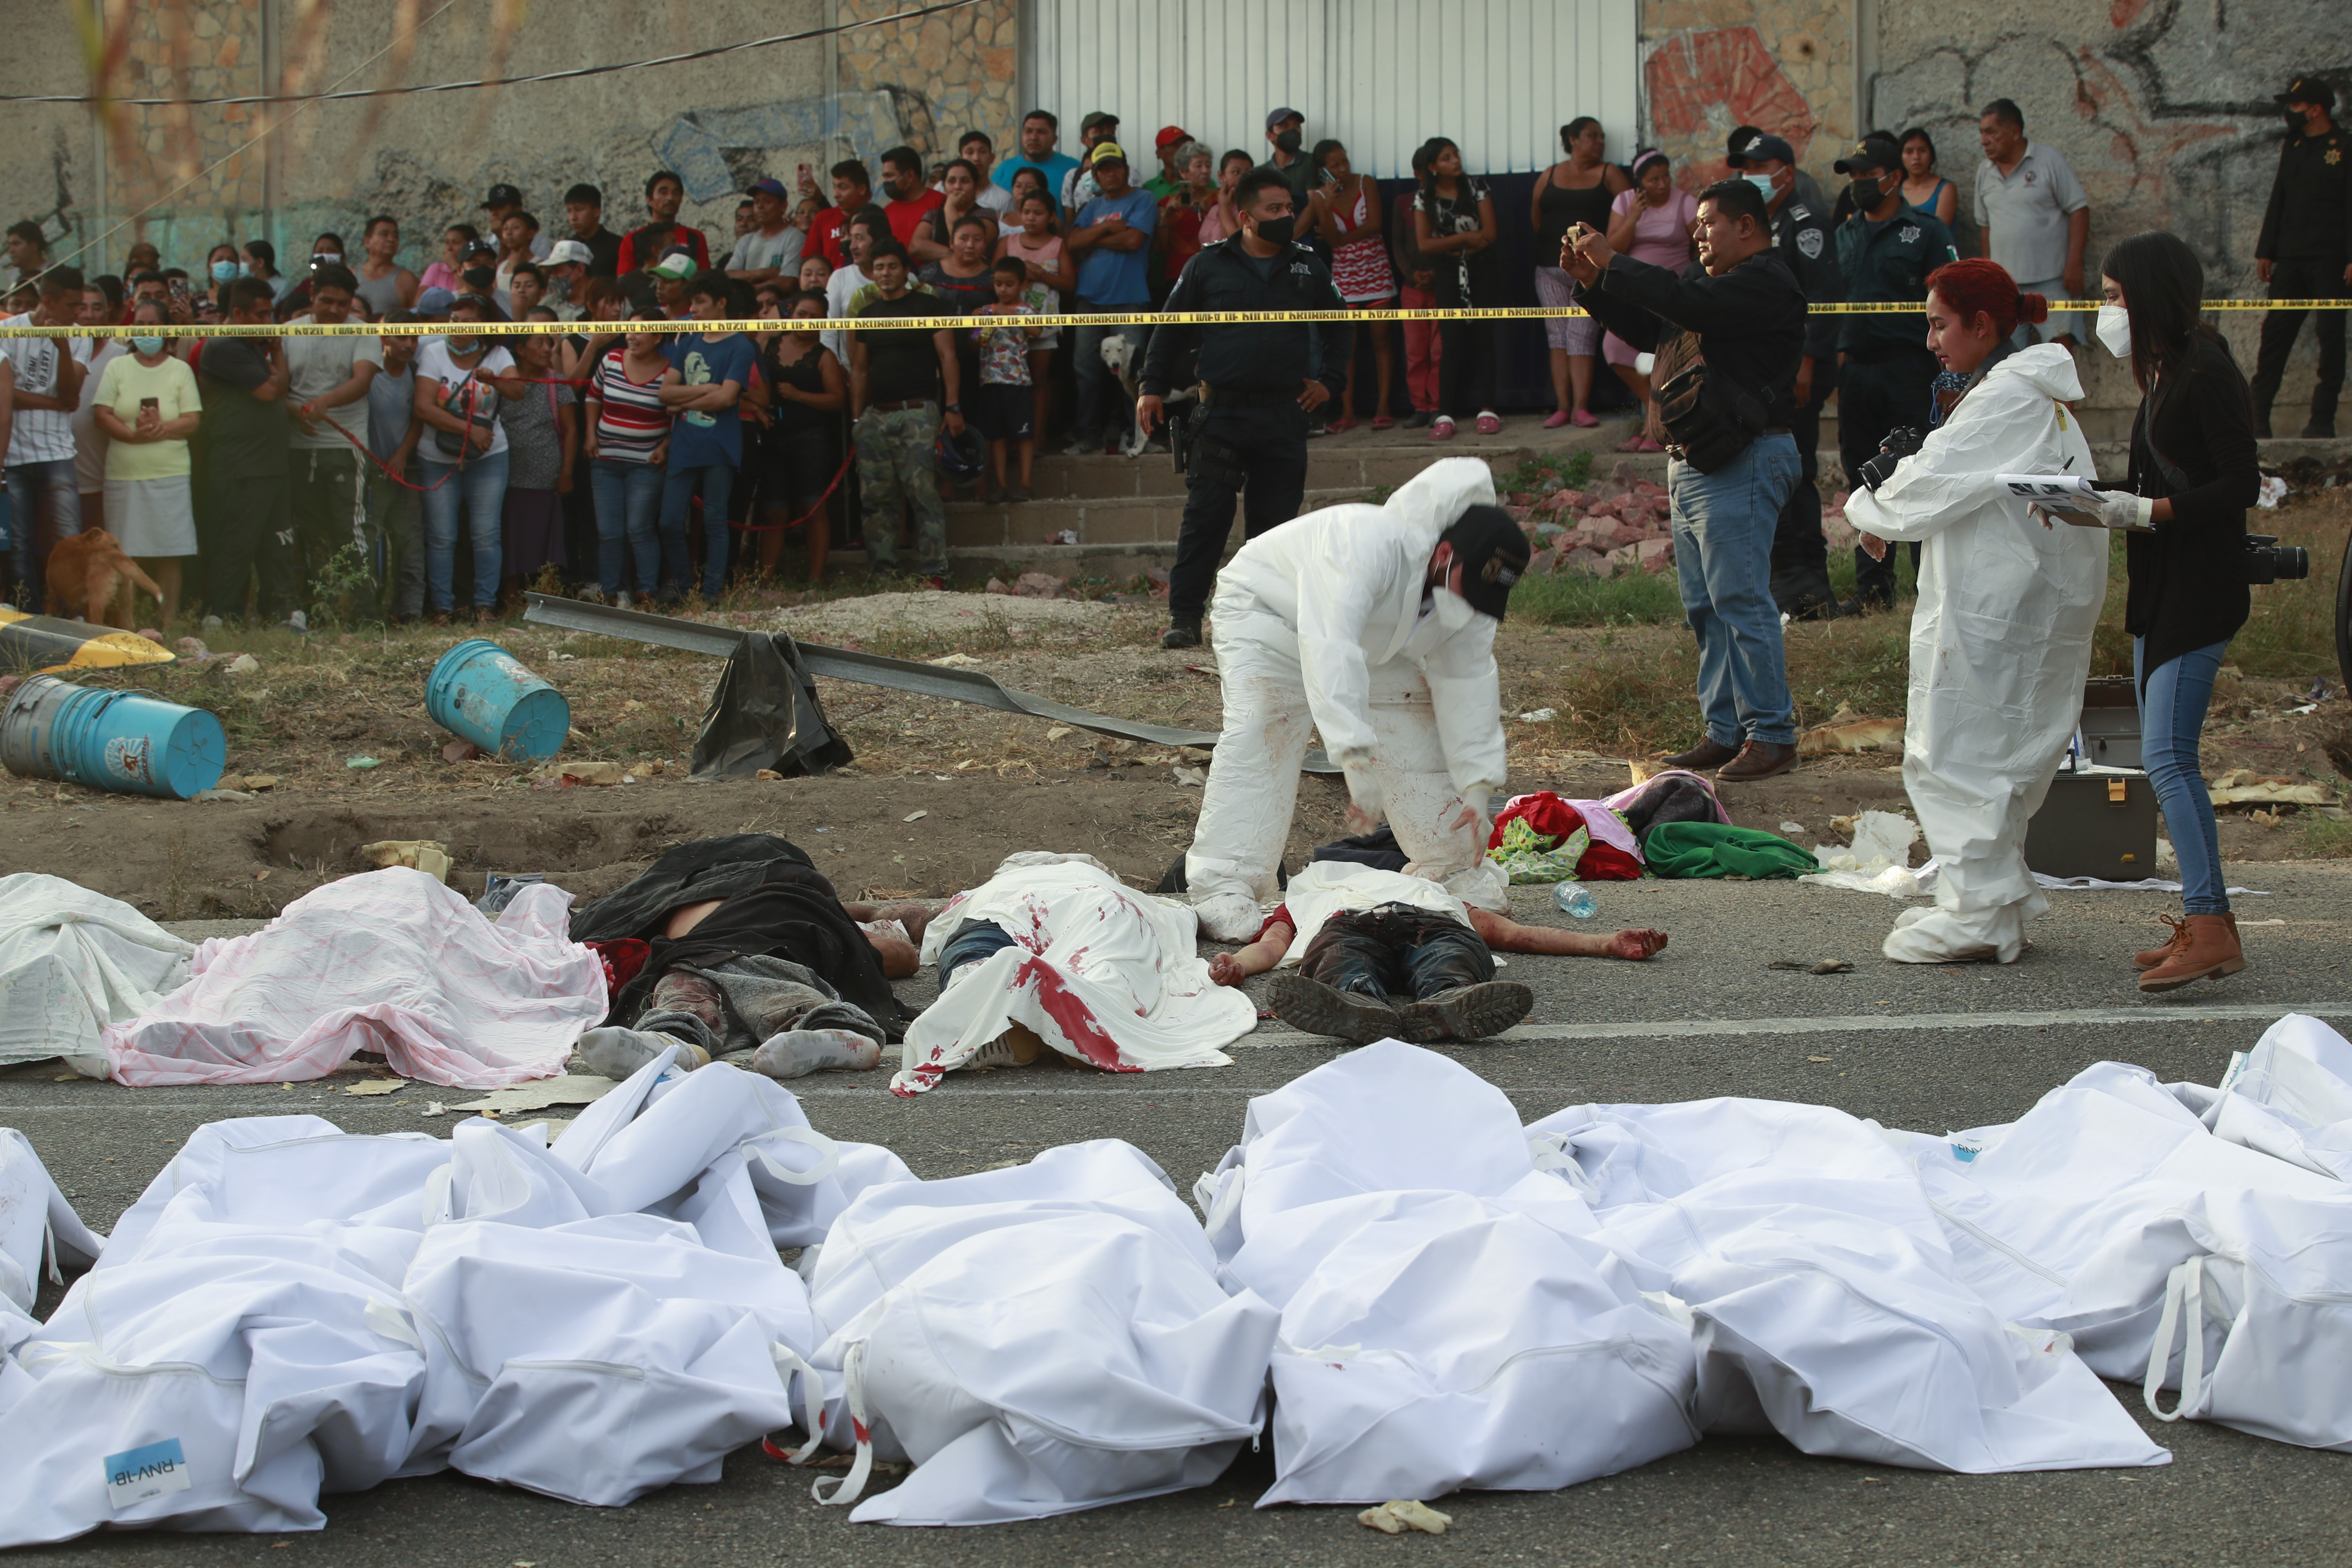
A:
[1289, 140]
[479, 277]
[2294, 121]
[1277, 230]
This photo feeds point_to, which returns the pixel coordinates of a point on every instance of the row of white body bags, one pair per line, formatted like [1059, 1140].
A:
[2187, 1238]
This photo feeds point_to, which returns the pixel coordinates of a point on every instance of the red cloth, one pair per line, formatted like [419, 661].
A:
[906, 217]
[824, 236]
[634, 256]
[1281, 916]
[1553, 819]
[623, 957]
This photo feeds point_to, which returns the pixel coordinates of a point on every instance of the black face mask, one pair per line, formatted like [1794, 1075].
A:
[479, 277]
[1289, 140]
[1277, 230]
[2294, 121]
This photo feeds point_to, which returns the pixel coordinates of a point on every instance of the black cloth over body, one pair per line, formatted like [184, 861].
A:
[1751, 321]
[1396, 951]
[776, 904]
[2189, 577]
[1875, 397]
[2303, 278]
[764, 714]
[1379, 849]
[1254, 456]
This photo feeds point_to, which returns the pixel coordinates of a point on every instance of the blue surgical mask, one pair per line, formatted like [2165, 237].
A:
[1762, 183]
[149, 346]
[224, 271]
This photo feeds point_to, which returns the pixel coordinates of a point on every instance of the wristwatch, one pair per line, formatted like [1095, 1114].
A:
[953, 407]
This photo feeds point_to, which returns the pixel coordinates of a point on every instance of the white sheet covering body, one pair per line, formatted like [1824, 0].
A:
[389, 961]
[1102, 974]
[1038, 1339]
[1449, 1319]
[2001, 643]
[39, 1231]
[1318, 626]
[2150, 1223]
[1324, 887]
[1826, 1302]
[71, 963]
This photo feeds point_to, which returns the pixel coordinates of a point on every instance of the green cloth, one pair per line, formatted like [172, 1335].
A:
[1717, 849]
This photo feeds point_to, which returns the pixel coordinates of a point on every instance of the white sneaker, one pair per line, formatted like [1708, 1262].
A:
[627, 601]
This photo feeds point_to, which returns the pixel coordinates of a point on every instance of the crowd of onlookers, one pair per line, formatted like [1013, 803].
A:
[637, 457]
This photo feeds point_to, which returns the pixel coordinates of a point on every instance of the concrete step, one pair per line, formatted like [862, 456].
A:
[1123, 521]
[1358, 459]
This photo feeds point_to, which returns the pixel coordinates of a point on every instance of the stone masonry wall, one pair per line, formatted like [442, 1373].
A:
[1785, 66]
[945, 75]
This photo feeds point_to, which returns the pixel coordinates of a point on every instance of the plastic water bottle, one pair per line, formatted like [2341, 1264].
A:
[1573, 900]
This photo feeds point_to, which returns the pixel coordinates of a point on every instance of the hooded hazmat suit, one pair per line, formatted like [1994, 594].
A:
[1319, 625]
[2001, 643]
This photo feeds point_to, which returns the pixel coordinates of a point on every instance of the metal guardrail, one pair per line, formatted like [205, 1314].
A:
[970, 686]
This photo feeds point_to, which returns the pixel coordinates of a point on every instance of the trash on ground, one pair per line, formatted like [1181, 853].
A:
[2243, 786]
[566, 1088]
[1538, 715]
[125, 743]
[460, 752]
[377, 1086]
[559, 775]
[361, 762]
[1398, 1515]
[955, 661]
[915, 816]
[764, 717]
[32, 645]
[244, 664]
[427, 855]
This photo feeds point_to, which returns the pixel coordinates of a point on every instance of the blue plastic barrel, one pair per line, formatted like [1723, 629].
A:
[127, 743]
[480, 692]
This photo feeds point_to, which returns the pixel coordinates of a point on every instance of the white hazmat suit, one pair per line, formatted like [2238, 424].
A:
[2001, 643]
[1319, 625]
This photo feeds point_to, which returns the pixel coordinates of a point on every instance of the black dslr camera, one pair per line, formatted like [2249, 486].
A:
[2268, 561]
[1899, 444]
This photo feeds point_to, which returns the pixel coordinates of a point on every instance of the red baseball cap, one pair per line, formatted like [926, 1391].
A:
[1168, 136]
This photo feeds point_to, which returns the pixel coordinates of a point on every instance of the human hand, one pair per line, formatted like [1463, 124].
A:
[1224, 969]
[661, 455]
[481, 435]
[1803, 390]
[564, 483]
[1424, 280]
[2263, 268]
[2072, 278]
[150, 423]
[1873, 546]
[1314, 395]
[1593, 246]
[1365, 804]
[1148, 412]
[955, 423]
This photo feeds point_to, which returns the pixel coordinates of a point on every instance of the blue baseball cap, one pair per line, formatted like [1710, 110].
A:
[434, 302]
[769, 187]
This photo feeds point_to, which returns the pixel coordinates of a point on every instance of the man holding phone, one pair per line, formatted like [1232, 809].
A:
[43, 390]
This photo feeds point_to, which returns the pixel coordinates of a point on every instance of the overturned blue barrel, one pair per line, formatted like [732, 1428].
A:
[480, 692]
[128, 743]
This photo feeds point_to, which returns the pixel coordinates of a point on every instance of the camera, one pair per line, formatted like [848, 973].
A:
[2268, 561]
[1899, 444]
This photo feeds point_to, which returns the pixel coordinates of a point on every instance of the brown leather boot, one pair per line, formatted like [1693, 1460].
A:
[1709, 752]
[1758, 760]
[2211, 949]
[2149, 957]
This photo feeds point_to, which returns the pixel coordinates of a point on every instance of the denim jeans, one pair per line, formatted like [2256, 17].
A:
[628, 523]
[1724, 523]
[2173, 698]
[35, 490]
[481, 486]
[1102, 401]
[972, 941]
[677, 493]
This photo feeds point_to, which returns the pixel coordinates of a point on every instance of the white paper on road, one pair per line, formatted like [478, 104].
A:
[1102, 974]
[71, 963]
[390, 961]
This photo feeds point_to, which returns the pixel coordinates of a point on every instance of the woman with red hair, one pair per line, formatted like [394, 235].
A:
[2000, 639]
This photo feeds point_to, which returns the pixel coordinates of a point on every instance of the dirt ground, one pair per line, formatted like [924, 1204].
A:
[331, 736]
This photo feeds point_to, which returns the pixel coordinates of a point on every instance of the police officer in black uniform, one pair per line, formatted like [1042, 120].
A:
[1258, 382]
[1800, 578]
[1886, 375]
[2306, 250]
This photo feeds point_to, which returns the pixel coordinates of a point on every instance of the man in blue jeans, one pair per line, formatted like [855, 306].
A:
[705, 441]
[40, 381]
[1113, 244]
[1740, 310]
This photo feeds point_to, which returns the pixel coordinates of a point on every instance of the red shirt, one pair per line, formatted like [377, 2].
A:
[632, 257]
[908, 215]
[824, 236]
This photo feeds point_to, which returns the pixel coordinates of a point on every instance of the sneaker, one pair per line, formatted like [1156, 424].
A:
[1466, 1012]
[1440, 428]
[1181, 634]
[299, 622]
[1083, 447]
[1489, 421]
[1419, 420]
[1319, 1009]
[624, 600]
[1015, 494]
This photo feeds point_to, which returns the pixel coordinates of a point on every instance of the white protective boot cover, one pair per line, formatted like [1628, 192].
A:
[1037, 1340]
[2001, 642]
[1826, 1304]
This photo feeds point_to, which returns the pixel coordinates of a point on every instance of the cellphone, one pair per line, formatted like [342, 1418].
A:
[151, 405]
[177, 288]
[808, 173]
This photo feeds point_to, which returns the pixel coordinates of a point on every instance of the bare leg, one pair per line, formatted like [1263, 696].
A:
[1505, 935]
[1028, 456]
[1559, 391]
[1383, 362]
[996, 461]
[772, 543]
[818, 537]
[166, 570]
[1580, 380]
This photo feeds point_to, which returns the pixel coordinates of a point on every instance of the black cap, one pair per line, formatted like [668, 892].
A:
[503, 197]
[2308, 89]
[1099, 117]
[1869, 157]
[479, 247]
[1492, 555]
[1762, 146]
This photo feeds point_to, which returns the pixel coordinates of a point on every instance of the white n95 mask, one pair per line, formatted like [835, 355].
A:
[1451, 611]
[2114, 331]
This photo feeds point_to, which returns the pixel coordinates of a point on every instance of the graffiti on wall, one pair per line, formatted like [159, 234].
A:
[1705, 84]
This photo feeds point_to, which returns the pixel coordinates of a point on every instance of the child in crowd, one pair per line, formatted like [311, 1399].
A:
[815, 273]
[1007, 403]
[1051, 275]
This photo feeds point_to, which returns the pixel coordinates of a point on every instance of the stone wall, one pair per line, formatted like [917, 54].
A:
[944, 75]
[1784, 66]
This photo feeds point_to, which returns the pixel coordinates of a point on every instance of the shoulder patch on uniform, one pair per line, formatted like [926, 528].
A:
[1799, 210]
[1809, 240]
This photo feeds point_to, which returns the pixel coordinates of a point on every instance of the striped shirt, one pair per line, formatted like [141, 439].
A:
[630, 418]
[40, 435]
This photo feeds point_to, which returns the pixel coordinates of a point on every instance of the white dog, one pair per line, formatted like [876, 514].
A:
[1119, 355]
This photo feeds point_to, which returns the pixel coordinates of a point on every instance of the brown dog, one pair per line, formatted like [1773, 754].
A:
[89, 574]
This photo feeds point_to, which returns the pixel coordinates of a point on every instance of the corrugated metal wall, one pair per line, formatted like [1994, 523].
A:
[1499, 77]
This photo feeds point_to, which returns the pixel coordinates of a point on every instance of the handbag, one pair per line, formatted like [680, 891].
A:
[1711, 418]
[465, 402]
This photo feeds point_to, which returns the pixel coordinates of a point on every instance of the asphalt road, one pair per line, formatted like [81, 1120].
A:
[1932, 1049]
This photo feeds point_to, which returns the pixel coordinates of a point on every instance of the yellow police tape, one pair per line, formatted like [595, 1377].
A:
[436, 329]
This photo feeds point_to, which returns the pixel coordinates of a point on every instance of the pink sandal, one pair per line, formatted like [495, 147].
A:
[1382, 422]
[1337, 426]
